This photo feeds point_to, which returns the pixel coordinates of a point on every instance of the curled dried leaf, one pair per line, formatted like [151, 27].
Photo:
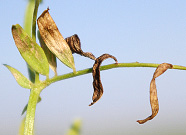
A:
[54, 40]
[153, 91]
[98, 88]
[75, 46]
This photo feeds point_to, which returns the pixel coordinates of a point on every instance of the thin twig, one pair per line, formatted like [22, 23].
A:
[110, 66]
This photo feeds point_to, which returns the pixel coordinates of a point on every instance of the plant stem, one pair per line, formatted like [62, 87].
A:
[34, 19]
[106, 67]
[35, 92]
[31, 108]
[34, 31]
[28, 29]
[28, 17]
[30, 115]
[37, 78]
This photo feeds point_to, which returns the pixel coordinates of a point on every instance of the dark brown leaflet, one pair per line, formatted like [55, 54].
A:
[98, 88]
[153, 91]
[75, 46]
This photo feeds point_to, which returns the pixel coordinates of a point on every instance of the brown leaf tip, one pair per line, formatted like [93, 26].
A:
[44, 12]
[91, 104]
[140, 121]
[75, 46]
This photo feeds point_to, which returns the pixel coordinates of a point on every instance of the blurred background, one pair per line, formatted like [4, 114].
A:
[131, 30]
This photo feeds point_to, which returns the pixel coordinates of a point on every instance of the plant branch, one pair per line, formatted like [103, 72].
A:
[34, 19]
[31, 109]
[110, 66]
[35, 92]
[28, 29]
[30, 115]
[28, 17]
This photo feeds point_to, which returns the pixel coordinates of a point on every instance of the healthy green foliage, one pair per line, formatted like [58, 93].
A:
[31, 52]
[20, 78]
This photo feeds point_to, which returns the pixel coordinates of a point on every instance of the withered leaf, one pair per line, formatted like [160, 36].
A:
[98, 88]
[75, 46]
[54, 40]
[50, 56]
[153, 91]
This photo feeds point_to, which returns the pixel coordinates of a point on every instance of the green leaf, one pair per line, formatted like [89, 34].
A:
[50, 56]
[31, 52]
[75, 129]
[20, 78]
[54, 40]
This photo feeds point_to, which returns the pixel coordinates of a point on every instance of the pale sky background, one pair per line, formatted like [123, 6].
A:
[131, 30]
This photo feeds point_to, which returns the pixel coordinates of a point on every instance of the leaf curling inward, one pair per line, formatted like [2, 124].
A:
[98, 88]
[75, 46]
[153, 91]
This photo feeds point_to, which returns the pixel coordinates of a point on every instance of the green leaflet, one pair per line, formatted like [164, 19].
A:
[54, 40]
[20, 78]
[31, 52]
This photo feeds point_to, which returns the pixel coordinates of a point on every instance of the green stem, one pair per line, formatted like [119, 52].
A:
[106, 67]
[34, 31]
[28, 29]
[28, 17]
[34, 19]
[31, 108]
[37, 78]
[30, 115]
[31, 15]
